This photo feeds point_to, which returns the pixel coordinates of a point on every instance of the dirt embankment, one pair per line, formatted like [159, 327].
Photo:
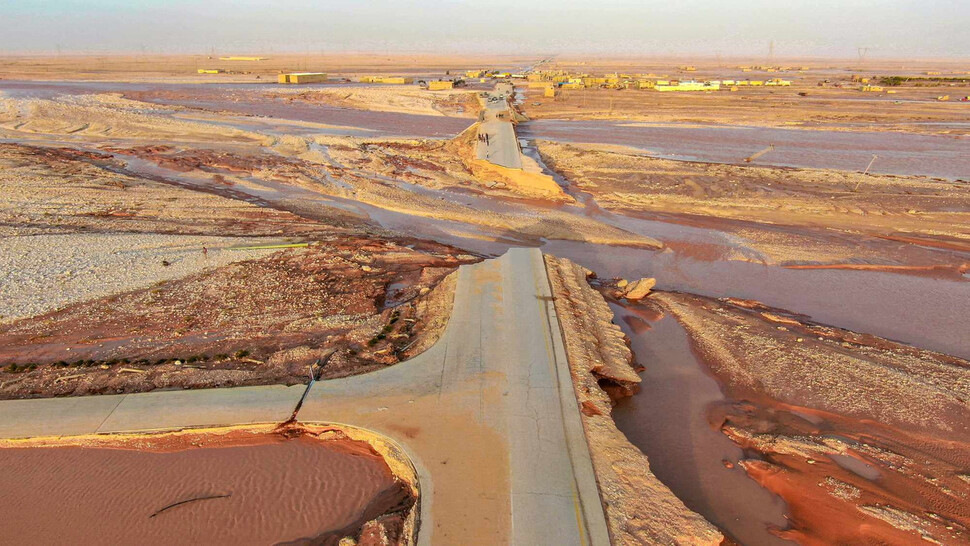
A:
[758, 203]
[262, 321]
[865, 439]
[311, 483]
[639, 508]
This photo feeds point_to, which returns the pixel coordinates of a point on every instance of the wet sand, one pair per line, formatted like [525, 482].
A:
[251, 100]
[261, 487]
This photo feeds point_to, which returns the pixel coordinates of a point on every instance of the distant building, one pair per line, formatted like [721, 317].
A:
[440, 85]
[303, 77]
[243, 58]
[211, 71]
[688, 86]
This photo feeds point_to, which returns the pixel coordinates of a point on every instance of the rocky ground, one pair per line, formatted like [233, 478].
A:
[369, 302]
[865, 439]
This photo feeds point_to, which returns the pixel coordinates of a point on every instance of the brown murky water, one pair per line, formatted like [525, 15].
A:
[668, 421]
[263, 489]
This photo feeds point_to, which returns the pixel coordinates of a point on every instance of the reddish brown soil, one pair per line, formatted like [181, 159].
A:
[853, 464]
[261, 487]
[257, 322]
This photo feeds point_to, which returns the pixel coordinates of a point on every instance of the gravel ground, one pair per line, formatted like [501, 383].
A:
[41, 273]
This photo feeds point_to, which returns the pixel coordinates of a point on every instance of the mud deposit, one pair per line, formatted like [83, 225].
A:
[251, 488]
[864, 439]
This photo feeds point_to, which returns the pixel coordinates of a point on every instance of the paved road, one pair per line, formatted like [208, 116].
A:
[488, 415]
[502, 147]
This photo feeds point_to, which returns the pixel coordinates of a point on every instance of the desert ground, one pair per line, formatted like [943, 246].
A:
[770, 351]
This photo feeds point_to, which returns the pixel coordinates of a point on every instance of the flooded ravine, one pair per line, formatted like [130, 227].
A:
[199, 488]
[899, 153]
[668, 421]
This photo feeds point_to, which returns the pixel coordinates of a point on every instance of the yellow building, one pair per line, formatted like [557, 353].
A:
[440, 85]
[872, 88]
[396, 80]
[474, 73]
[211, 71]
[550, 92]
[689, 86]
[303, 77]
[243, 58]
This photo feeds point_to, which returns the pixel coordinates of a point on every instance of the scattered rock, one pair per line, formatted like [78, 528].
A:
[637, 290]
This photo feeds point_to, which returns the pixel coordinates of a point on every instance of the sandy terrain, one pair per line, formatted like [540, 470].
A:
[37, 280]
[639, 508]
[770, 199]
[95, 117]
[309, 484]
[406, 99]
[865, 439]
[60, 190]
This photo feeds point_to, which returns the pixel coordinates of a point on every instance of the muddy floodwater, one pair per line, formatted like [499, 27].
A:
[259, 489]
[898, 153]
[667, 420]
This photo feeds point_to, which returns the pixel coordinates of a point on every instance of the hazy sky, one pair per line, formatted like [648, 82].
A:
[891, 28]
